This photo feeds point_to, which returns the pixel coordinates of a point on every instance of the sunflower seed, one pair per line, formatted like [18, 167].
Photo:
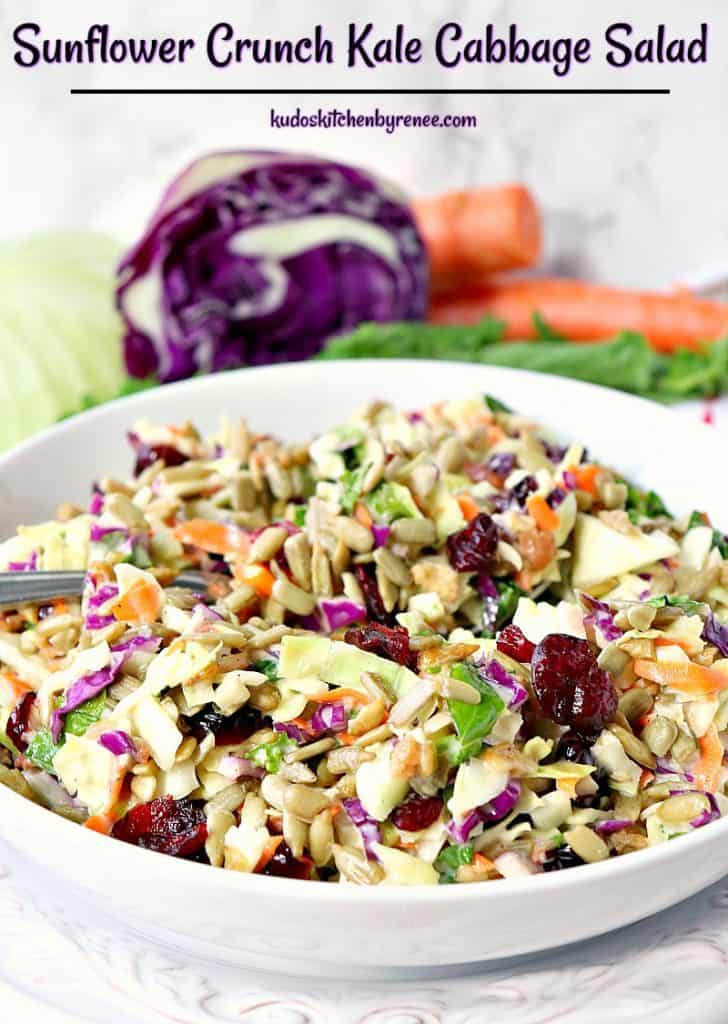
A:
[408, 707]
[321, 838]
[682, 808]
[298, 555]
[660, 734]
[267, 544]
[305, 801]
[587, 844]
[635, 703]
[293, 598]
[354, 534]
[414, 531]
[393, 567]
[355, 867]
[634, 747]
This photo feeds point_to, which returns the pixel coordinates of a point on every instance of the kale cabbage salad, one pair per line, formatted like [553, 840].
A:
[435, 647]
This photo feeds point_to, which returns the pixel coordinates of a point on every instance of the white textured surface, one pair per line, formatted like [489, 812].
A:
[634, 186]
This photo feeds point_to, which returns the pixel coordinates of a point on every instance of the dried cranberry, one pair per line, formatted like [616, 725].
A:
[175, 827]
[387, 641]
[17, 724]
[512, 641]
[472, 548]
[417, 813]
[573, 747]
[226, 728]
[563, 857]
[148, 454]
[367, 580]
[284, 865]
[570, 686]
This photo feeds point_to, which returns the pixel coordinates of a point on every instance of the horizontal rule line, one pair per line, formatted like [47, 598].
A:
[370, 92]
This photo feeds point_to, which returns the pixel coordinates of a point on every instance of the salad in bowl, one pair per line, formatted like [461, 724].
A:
[435, 646]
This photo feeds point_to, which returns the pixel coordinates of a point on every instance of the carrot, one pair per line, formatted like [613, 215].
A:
[343, 691]
[477, 232]
[17, 686]
[141, 604]
[706, 770]
[101, 823]
[361, 514]
[542, 513]
[219, 538]
[585, 476]
[260, 578]
[467, 506]
[586, 312]
[271, 846]
[684, 676]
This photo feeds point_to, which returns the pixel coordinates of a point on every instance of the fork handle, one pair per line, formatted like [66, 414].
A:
[28, 587]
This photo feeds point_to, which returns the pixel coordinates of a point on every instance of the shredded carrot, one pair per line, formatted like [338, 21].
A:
[272, 845]
[684, 676]
[101, 823]
[540, 511]
[335, 809]
[343, 691]
[706, 771]
[346, 738]
[467, 506]
[646, 778]
[523, 579]
[666, 641]
[18, 687]
[60, 607]
[141, 604]
[361, 514]
[586, 477]
[257, 576]
[495, 434]
[219, 538]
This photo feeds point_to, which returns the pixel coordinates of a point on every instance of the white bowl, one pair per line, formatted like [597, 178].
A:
[243, 918]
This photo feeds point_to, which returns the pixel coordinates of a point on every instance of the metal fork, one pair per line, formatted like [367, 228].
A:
[26, 587]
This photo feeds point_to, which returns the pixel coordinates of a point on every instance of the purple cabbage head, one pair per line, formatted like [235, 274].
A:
[258, 257]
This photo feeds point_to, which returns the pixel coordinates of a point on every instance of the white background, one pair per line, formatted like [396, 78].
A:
[634, 187]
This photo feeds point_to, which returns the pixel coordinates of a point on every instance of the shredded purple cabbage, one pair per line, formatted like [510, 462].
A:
[601, 617]
[489, 814]
[84, 689]
[612, 825]
[96, 503]
[716, 633]
[502, 463]
[381, 535]
[329, 717]
[339, 612]
[709, 814]
[118, 742]
[368, 826]
[556, 497]
[493, 672]
[30, 566]
[293, 732]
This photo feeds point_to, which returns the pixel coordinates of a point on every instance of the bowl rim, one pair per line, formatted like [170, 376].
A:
[611, 869]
